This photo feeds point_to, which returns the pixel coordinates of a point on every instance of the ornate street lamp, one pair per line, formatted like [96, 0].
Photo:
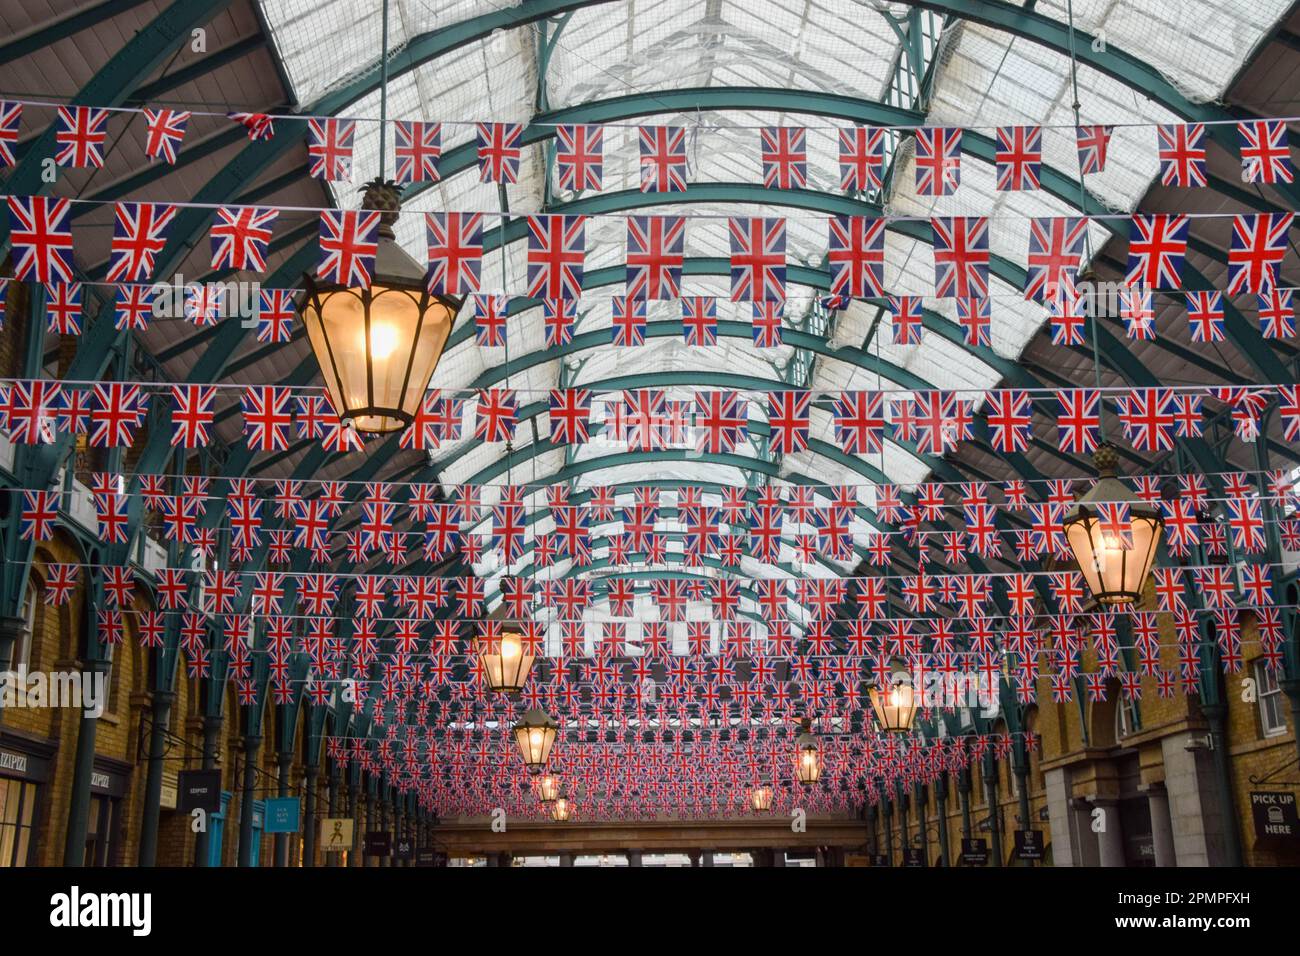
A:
[760, 798]
[548, 787]
[378, 346]
[505, 664]
[535, 734]
[1115, 567]
[895, 705]
[807, 756]
[560, 809]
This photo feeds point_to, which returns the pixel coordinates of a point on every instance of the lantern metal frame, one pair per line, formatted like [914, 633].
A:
[807, 774]
[760, 798]
[535, 758]
[500, 677]
[561, 808]
[894, 716]
[548, 788]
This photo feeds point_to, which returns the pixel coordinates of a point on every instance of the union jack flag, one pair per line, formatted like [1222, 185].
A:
[1055, 246]
[859, 421]
[788, 421]
[961, 256]
[655, 250]
[489, 320]
[1148, 418]
[495, 421]
[31, 416]
[164, 131]
[116, 410]
[1246, 519]
[455, 252]
[1205, 315]
[1259, 244]
[417, 148]
[203, 303]
[41, 236]
[975, 317]
[938, 161]
[1156, 248]
[1019, 157]
[1289, 409]
[349, 240]
[558, 319]
[700, 320]
[139, 235]
[862, 159]
[256, 125]
[663, 159]
[40, 512]
[556, 250]
[722, 421]
[329, 148]
[498, 152]
[1265, 153]
[580, 157]
[10, 115]
[79, 135]
[856, 255]
[628, 321]
[275, 313]
[757, 259]
[63, 307]
[905, 318]
[1010, 417]
[785, 157]
[941, 420]
[1092, 143]
[1276, 314]
[192, 415]
[266, 417]
[239, 237]
[1137, 310]
[570, 415]
[1182, 154]
[767, 324]
[1079, 421]
[643, 414]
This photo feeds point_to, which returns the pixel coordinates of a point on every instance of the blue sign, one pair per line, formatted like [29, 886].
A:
[282, 815]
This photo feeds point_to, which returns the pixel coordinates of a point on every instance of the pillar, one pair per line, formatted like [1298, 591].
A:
[963, 793]
[211, 739]
[902, 822]
[252, 746]
[335, 785]
[1216, 717]
[1110, 841]
[941, 807]
[74, 847]
[923, 838]
[706, 858]
[159, 716]
[889, 831]
[633, 857]
[285, 769]
[995, 820]
[566, 859]
[1162, 829]
[309, 817]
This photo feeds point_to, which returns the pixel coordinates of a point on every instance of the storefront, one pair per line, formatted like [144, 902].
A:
[24, 770]
[109, 780]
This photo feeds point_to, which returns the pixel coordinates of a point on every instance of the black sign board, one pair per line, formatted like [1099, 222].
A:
[426, 856]
[1029, 844]
[974, 851]
[378, 843]
[1275, 816]
[403, 849]
[880, 859]
[913, 856]
[199, 790]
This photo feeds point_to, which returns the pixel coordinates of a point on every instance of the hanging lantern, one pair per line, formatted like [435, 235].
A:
[895, 705]
[505, 664]
[807, 756]
[548, 787]
[535, 734]
[378, 346]
[760, 798]
[560, 809]
[1115, 567]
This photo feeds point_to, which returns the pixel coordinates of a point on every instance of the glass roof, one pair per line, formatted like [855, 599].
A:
[980, 77]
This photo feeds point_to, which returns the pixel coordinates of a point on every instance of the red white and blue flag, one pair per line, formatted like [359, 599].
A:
[1277, 314]
[570, 416]
[757, 259]
[938, 160]
[1147, 417]
[961, 256]
[1067, 316]
[275, 315]
[116, 410]
[655, 253]
[1156, 249]
[41, 235]
[267, 417]
[239, 237]
[79, 134]
[788, 421]
[455, 252]
[700, 320]
[859, 422]
[1181, 149]
[417, 147]
[495, 419]
[349, 240]
[164, 132]
[1265, 152]
[192, 415]
[256, 125]
[10, 116]
[862, 159]
[1205, 316]
[663, 159]
[627, 321]
[580, 157]
[489, 313]
[498, 152]
[975, 316]
[767, 324]
[1078, 422]
[1055, 247]
[856, 255]
[63, 307]
[1092, 142]
[1010, 417]
[139, 235]
[905, 318]
[132, 307]
[721, 421]
[1259, 244]
[785, 157]
[556, 251]
[1019, 157]
[39, 513]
